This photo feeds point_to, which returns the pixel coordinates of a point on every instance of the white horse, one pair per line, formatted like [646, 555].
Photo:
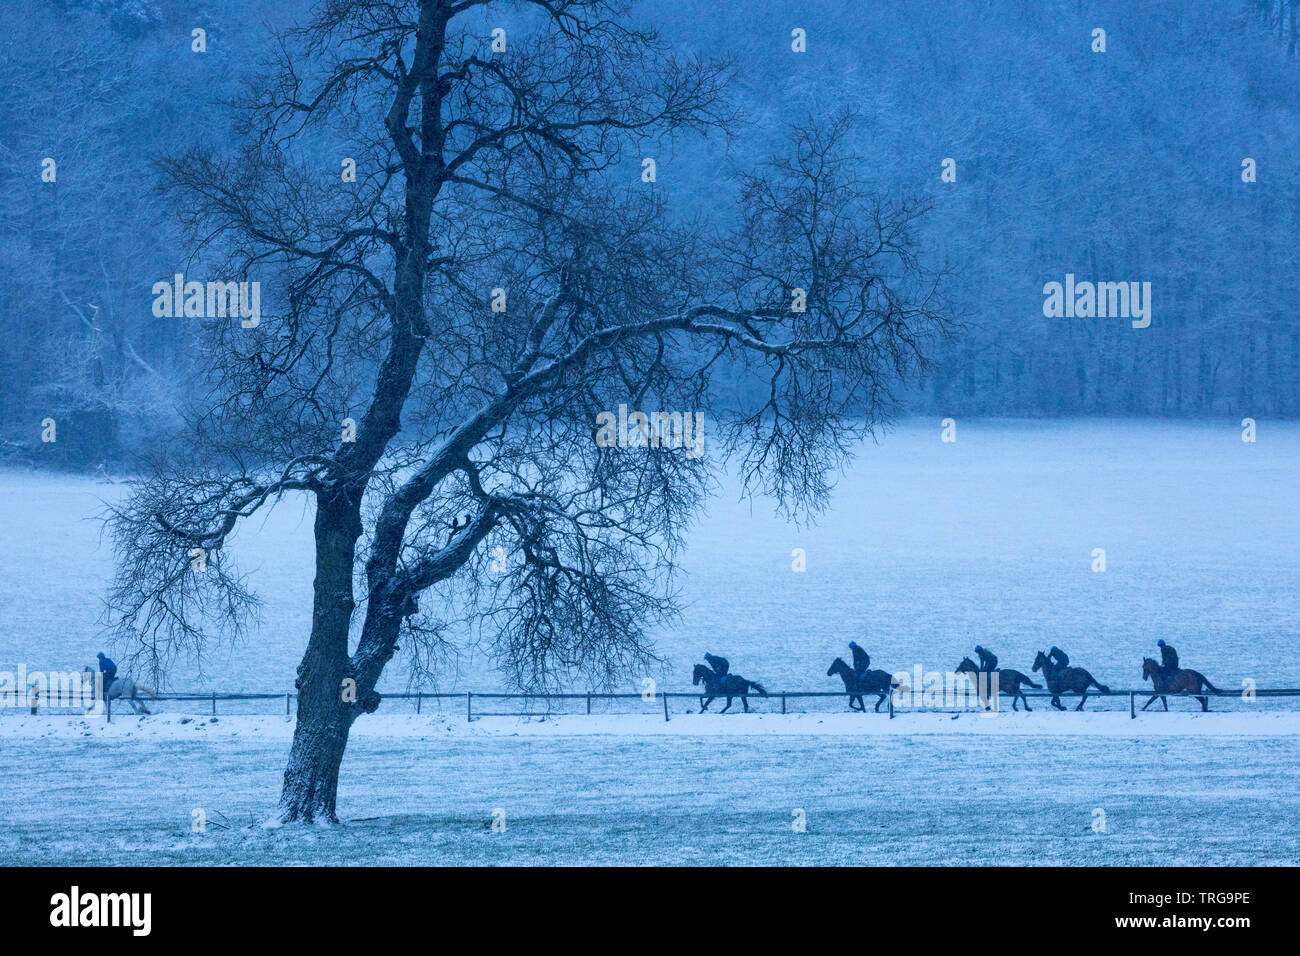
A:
[124, 688]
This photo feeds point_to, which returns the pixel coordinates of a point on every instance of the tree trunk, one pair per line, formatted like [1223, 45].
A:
[311, 780]
[325, 713]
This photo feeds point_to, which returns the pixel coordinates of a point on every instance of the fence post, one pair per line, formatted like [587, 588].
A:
[469, 706]
[588, 703]
[419, 696]
[1132, 705]
[665, 707]
[108, 708]
[891, 703]
[214, 703]
[286, 705]
[783, 703]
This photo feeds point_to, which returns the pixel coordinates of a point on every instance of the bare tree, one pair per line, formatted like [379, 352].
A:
[482, 170]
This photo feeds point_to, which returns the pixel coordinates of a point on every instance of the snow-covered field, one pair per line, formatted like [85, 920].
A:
[930, 548]
[921, 789]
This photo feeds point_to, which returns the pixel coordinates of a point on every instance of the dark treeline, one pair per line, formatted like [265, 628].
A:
[1117, 166]
[103, 88]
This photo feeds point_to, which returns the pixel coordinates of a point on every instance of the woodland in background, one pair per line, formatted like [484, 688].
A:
[1117, 166]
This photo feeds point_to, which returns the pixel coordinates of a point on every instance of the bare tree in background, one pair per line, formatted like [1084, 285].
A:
[482, 170]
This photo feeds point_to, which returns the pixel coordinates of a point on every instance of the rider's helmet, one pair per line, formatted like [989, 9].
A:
[100, 655]
[1160, 643]
[978, 648]
[853, 643]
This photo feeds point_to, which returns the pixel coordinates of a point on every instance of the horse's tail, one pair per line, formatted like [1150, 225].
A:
[1031, 683]
[758, 687]
[1206, 682]
[1100, 686]
[148, 690]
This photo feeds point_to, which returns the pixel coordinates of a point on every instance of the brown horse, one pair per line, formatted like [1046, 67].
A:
[1068, 680]
[1009, 682]
[872, 682]
[1183, 681]
[730, 686]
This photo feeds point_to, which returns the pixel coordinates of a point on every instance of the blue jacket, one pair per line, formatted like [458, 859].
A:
[861, 659]
[108, 669]
[1168, 658]
[988, 660]
[1058, 657]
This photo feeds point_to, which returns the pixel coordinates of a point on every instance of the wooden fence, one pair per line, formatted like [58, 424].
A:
[663, 697]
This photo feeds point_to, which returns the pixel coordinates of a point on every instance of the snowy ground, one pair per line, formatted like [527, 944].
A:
[930, 548]
[923, 789]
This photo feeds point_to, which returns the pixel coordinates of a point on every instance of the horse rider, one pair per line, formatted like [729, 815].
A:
[719, 665]
[1168, 659]
[108, 669]
[1060, 660]
[861, 660]
[988, 660]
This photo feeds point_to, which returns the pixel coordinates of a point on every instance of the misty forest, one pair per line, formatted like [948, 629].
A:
[1116, 172]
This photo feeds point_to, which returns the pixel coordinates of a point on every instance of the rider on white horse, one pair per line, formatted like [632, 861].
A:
[108, 669]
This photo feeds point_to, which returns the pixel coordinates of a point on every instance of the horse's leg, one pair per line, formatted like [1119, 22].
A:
[724, 710]
[1150, 702]
[1205, 704]
[1082, 702]
[744, 700]
[1024, 698]
[1056, 702]
[704, 704]
[1165, 700]
[137, 702]
[878, 703]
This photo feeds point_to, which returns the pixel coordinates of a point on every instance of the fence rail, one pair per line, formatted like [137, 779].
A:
[663, 697]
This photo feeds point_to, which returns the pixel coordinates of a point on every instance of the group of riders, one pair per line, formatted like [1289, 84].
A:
[719, 681]
[1167, 676]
